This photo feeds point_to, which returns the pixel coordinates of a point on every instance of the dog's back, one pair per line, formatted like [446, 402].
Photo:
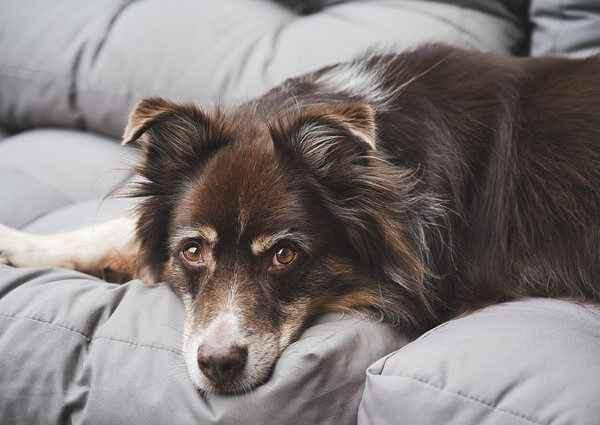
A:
[506, 156]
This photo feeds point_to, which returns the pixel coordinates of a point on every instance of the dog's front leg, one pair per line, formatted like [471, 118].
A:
[110, 246]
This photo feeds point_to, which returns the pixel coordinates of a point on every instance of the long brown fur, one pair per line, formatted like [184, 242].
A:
[471, 179]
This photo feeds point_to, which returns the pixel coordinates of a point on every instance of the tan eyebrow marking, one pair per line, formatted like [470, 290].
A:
[263, 243]
[208, 233]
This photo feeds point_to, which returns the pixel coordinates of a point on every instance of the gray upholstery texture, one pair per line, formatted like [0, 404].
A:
[528, 362]
[74, 349]
[88, 62]
[45, 170]
[565, 27]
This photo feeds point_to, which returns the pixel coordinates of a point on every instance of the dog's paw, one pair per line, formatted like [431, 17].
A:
[3, 248]
[16, 248]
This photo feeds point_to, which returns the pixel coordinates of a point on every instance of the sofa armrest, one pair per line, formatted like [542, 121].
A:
[529, 362]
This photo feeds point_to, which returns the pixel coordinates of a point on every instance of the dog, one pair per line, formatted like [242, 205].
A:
[412, 187]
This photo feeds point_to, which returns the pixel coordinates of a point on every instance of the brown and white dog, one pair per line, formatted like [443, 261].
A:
[413, 187]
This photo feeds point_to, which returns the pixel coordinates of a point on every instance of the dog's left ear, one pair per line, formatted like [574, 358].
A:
[333, 140]
[371, 198]
[356, 117]
[329, 139]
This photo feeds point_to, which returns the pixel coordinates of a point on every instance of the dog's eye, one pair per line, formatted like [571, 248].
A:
[192, 253]
[283, 256]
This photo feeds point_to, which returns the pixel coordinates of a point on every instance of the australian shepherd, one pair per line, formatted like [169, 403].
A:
[412, 187]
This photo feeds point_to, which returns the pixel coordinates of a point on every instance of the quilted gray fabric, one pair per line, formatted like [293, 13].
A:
[530, 362]
[74, 349]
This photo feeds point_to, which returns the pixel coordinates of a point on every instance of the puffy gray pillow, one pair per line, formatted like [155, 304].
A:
[529, 362]
[74, 349]
[83, 64]
[570, 27]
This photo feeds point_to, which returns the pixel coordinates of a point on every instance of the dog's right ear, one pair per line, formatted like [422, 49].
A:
[177, 140]
[173, 136]
[144, 115]
[154, 112]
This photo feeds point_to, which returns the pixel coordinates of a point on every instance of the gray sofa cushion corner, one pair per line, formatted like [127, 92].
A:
[529, 362]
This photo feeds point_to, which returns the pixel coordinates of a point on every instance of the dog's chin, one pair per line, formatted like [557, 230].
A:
[245, 382]
[237, 386]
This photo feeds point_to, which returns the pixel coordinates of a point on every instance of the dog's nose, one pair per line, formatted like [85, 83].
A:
[221, 364]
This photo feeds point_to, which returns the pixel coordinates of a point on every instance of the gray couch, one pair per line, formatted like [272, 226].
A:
[75, 349]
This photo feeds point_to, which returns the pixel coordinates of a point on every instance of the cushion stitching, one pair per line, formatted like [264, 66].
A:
[474, 399]
[88, 84]
[156, 347]
[57, 325]
[87, 338]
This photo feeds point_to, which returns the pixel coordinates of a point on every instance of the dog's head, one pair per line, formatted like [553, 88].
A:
[260, 224]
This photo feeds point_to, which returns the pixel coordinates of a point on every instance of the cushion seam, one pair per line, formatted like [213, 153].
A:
[86, 83]
[474, 400]
[86, 337]
[56, 325]
[156, 347]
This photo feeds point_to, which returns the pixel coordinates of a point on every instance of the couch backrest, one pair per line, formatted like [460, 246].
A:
[84, 64]
[565, 27]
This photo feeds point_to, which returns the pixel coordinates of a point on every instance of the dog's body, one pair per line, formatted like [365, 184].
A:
[414, 187]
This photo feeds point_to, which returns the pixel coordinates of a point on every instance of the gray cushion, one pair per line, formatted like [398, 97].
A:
[48, 169]
[529, 362]
[88, 62]
[567, 27]
[74, 349]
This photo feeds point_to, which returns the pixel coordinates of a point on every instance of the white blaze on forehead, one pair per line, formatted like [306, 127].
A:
[225, 328]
